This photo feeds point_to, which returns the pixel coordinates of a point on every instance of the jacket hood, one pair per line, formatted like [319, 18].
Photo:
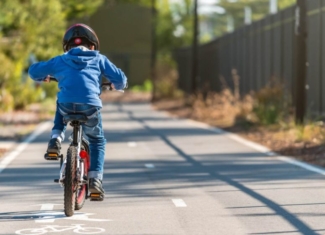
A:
[79, 57]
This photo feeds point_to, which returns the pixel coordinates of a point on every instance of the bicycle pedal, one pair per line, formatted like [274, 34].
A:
[96, 197]
[59, 181]
[51, 156]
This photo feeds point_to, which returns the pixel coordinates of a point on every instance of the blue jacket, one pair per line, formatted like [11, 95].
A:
[79, 73]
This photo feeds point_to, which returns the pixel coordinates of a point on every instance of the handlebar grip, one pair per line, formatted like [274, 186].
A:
[106, 85]
[53, 79]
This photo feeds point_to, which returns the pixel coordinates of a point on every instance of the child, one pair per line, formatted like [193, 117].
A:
[79, 72]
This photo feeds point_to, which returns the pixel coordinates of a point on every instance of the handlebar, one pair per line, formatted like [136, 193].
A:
[105, 86]
[53, 79]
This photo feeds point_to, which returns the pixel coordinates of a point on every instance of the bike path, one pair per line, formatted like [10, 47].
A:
[164, 175]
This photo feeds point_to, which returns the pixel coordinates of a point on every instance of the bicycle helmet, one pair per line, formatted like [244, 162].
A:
[79, 34]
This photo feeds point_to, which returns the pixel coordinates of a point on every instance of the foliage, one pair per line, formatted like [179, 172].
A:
[146, 87]
[270, 104]
[31, 28]
[77, 9]
[181, 27]
[147, 3]
[260, 8]
[166, 79]
[286, 3]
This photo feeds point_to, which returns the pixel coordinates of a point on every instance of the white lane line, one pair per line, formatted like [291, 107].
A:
[150, 165]
[132, 144]
[259, 148]
[21, 147]
[255, 146]
[47, 207]
[47, 218]
[179, 203]
[302, 164]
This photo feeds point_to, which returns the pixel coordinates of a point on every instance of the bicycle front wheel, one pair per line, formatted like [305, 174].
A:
[70, 181]
[82, 189]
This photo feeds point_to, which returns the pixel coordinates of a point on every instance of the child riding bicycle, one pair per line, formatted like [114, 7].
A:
[79, 72]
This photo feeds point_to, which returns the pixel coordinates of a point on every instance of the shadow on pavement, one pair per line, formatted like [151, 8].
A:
[132, 180]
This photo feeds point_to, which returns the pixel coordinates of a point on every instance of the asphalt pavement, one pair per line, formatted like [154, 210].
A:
[163, 175]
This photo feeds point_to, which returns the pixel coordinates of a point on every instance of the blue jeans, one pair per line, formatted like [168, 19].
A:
[92, 129]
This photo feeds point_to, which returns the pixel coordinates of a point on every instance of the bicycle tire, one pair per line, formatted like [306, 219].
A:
[70, 181]
[80, 197]
[82, 191]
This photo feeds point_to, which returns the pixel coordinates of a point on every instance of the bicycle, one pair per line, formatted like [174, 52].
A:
[74, 168]
[77, 228]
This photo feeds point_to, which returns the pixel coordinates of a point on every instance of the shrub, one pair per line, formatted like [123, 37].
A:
[25, 94]
[270, 104]
[166, 80]
[145, 87]
[6, 101]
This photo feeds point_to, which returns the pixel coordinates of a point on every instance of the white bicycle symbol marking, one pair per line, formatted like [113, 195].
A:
[77, 228]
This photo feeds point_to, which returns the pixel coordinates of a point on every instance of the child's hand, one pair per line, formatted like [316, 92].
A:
[113, 87]
[47, 79]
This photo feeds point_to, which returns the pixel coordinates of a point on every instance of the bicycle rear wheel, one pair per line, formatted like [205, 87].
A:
[70, 181]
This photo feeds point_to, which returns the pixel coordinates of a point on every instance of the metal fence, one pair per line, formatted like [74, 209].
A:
[262, 51]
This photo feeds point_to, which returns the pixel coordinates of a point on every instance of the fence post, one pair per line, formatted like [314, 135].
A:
[301, 61]
[153, 48]
[195, 61]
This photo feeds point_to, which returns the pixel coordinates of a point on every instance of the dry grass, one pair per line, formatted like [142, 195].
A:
[263, 117]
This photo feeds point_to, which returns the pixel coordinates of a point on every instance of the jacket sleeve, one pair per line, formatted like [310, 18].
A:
[38, 71]
[114, 74]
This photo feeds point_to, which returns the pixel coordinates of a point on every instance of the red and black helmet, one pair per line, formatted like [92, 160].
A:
[77, 33]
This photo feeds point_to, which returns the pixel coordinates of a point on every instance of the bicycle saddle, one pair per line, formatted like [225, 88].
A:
[75, 117]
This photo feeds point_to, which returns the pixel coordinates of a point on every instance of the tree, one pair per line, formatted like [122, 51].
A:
[21, 33]
[260, 8]
[31, 28]
[286, 3]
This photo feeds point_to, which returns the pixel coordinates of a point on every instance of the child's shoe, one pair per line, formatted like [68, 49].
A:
[96, 189]
[54, 146]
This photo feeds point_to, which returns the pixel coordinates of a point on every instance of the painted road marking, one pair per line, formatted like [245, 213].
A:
[132, 144]
[48, 216]
[45, 219]
[47, 207]
[21, 147]
[179, 203]
[149, 165]
[77, 228]
[302, 164]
